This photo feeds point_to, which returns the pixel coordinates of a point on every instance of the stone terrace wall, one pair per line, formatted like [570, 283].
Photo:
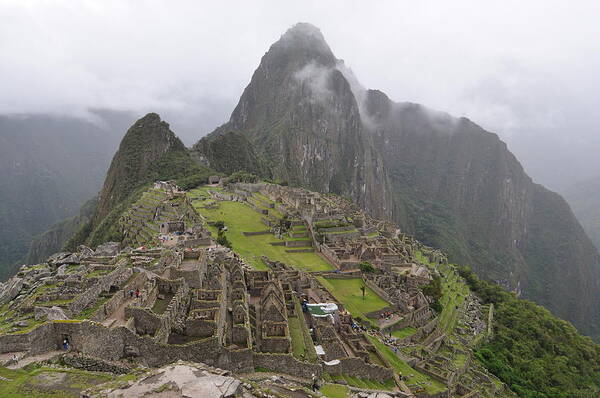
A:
[91, 295]
[285, 363]
[119, 298]
[356, 367]
[92, 364]
[443, 394]
[98, 341]
[14, 342]
[144, 320]
[175, 312]
[380, 292]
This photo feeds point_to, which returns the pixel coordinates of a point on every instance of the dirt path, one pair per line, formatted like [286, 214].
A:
[35, 358]
[117, 318]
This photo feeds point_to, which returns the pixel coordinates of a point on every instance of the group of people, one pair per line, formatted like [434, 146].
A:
[386, 315]
[135, 293]
[360, 328]
[315, 383]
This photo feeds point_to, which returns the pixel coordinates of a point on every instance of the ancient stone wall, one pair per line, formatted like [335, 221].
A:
[119, 298]
[91, 295]
[298, 243]
[174, 314]
[14, 342]
[92, 364]
[380, 292]
[256, 233]
[356, 367]
[285, 363]
[145, 321]
[443, 394]
[189, 243]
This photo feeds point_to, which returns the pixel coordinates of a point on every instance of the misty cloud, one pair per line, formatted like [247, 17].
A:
[525, 70]
[317, 79]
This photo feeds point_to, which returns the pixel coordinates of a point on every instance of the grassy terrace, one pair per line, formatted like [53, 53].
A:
[404, 332]
[361, 383]
[347, 292]
[47, 382]
[239, 218]
[335, 391]
[454, 292]
[298, 345]
[160, 305]
[412, 376]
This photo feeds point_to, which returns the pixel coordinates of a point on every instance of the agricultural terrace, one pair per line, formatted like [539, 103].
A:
[238, 218]
[349, 293]
[454, 292]
[412, 376]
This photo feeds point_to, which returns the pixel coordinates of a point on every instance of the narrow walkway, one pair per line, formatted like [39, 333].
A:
[117, 318]
[35, 358]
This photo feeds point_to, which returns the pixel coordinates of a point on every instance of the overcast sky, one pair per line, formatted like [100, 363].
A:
[529, 71]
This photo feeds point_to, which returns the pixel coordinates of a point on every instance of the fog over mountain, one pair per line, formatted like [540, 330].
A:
[524, 71]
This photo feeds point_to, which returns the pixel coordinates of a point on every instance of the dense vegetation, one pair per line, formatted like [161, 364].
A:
[536, 354]
[434, 290]
[149, 151]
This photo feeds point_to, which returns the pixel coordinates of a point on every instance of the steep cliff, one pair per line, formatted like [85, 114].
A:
[230, 152]
[584, 199]
[50, 166]
[301, 116]
[149, 151]
[55, 238]
[461, 189]
[444, 179]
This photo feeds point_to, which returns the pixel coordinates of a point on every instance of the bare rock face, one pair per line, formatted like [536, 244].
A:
[57, 259]
[52, 314]
[10, 289]
[107, 249]
[178, 380]
[84, 251]
[443, 179]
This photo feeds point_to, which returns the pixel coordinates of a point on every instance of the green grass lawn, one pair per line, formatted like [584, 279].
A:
[160, 305]
[239, 218]
[453, 295]
[364, 383]
[347, 292]
[430, 385]
[404, 332]
[47, 383]
[298, 346]
[335, 391]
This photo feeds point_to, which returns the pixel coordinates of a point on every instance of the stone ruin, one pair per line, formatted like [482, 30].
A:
[201, 302]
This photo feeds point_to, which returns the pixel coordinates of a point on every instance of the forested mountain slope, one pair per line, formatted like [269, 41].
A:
[444, 179]
[50, 166]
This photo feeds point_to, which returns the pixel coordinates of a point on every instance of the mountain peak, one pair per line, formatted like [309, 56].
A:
[304, 30]
[305, 41]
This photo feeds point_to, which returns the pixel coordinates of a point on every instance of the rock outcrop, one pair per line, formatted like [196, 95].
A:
[10, 289]
[178, 380]
[52, 314]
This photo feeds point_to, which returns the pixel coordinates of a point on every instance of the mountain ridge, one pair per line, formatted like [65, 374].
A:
[444, 179]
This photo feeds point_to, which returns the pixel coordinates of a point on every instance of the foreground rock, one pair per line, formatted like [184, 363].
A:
[10, 289]
[181, 379]
[52, 314]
